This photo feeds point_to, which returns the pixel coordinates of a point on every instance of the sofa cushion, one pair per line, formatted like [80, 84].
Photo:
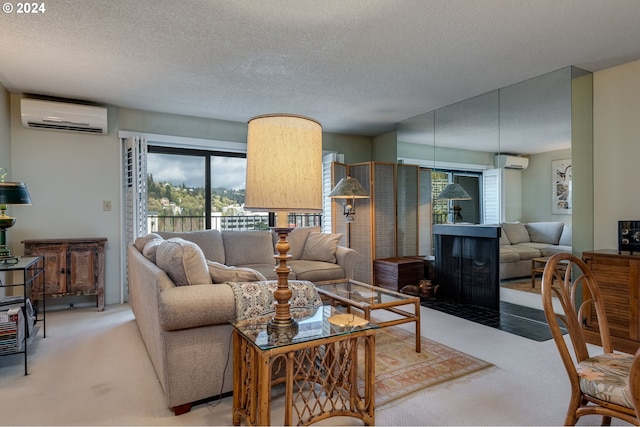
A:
[268, 271]
[508, 255]
[256, 298]
[545, 232]
[554, 249]
[248, 247]
[534, 245]
[151, 248]
[321, 247]
[221, 273]
[183, 261]
[566, 236]
[516, 232]
[210, 241]
[525, 251]
[142, 240]
[316, 271]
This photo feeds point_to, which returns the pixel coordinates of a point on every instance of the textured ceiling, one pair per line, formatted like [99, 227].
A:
[356, 66]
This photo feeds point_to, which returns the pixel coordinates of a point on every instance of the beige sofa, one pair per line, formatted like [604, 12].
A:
[521, 242]
[183, 317]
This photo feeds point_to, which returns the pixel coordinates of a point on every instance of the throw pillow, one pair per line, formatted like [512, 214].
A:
[256, 298]
[221, 273]
[565, 237]
[151, 248]
[321, 247]
[545, 232]
[142, 240]
[297, 238]
[516, 232]
[504, 240]
[210, 241]
[183, 261]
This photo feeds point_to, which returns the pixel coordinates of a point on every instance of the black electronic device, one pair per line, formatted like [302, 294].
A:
[628, 236]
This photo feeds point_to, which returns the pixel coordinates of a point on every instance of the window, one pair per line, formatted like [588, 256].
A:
[470, 209]
[196, 190]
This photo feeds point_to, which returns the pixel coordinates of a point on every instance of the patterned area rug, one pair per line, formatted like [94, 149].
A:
[524, 285]
[400, 370]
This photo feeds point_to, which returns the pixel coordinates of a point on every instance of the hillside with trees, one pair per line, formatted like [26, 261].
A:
[166, 199]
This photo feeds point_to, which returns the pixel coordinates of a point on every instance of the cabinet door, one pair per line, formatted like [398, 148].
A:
[55, 267]
[82, 268]
[618, 282]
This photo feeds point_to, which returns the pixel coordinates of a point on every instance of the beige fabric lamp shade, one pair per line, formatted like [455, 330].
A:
[284, 164]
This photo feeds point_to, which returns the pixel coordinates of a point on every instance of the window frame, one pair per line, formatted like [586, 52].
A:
[197, 152]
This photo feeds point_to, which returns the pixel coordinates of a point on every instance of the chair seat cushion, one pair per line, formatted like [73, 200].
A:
[606, 377]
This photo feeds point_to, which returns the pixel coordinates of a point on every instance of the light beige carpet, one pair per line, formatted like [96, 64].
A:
[93, 369]
[401, 371]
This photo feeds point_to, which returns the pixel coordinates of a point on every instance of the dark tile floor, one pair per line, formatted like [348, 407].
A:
[516, 319]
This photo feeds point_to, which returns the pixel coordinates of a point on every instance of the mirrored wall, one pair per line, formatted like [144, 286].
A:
[531, 119]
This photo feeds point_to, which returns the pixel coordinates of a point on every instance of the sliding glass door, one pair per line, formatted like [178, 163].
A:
[195, 190]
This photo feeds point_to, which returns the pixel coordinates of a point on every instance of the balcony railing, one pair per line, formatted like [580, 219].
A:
[439, 218]
[231, 222]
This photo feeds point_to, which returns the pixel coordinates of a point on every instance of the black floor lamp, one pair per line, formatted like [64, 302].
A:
[349, 189]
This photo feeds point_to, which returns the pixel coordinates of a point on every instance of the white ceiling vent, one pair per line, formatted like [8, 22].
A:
[63, 116]
[511, 162]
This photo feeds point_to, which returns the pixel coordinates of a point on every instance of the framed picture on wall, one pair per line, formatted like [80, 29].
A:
[561, 193]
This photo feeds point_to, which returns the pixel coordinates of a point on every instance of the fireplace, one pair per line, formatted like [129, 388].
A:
[468, 264]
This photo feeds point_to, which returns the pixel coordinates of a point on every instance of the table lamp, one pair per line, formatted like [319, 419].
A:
[284, 174]
[454, 191]
[11, 193]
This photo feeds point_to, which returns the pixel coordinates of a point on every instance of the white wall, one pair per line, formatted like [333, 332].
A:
[616, 108]
[5, 150]
[68, 176]
[5, 130]
[537, 187]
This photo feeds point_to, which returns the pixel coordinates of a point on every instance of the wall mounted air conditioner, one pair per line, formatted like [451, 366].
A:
[63, 116]
[511, 162]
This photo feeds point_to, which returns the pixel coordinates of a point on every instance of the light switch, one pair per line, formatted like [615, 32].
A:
[106, 205]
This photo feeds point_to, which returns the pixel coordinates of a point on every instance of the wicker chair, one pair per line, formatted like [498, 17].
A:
[607, 384]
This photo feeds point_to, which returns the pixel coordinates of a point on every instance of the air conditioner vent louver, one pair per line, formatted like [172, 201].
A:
[63, 116]
[67, 127]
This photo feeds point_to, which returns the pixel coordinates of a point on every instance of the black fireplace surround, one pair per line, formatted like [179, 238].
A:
[468, 263]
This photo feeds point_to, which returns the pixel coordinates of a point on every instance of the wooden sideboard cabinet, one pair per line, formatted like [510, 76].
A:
[618, 277]
[72, 266]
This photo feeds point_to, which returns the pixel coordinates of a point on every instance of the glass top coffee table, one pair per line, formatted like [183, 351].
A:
[367, 298]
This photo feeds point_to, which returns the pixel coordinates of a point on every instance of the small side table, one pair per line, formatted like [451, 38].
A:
[318, 368]
[537, 267]
[395, 273]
